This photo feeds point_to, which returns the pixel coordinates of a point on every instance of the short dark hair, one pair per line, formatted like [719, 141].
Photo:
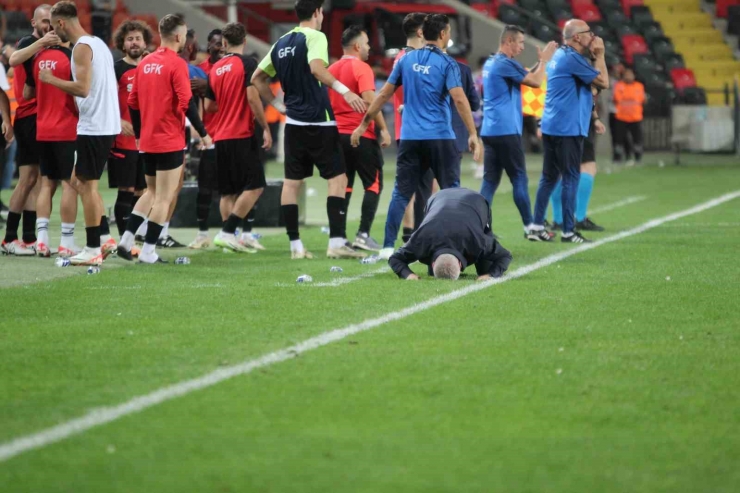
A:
[509, 31]
[434, 24]
[131, 26]
[215, 32]
[350, 34]
[304, 9]
[190, 34]
[412, 23]
[170, 23]
[234, 33]
[66, 10]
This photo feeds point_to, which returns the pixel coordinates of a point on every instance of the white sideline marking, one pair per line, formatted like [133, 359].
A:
[339, 281]
[105, 415]
[616, 205]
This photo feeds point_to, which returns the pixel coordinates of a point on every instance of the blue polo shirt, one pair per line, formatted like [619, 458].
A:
[568, 101]
[502, 96]
[427, 75]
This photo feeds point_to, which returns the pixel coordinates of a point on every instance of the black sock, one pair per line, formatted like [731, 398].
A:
[369, 208]
[153, 231]
[231, 223]
[104, 226]
[122, 209]
[202, 208]
[93, 236]
[290, 214]
[337, 217]
[347, 198]
[29, 226]
[11, 227]
[249, 221]
[407, 232]
[134, 222]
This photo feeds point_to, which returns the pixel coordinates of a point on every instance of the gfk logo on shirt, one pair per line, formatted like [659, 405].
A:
[153, 68]
[422, 69]
[47, 64]
[283, 52]
[222, 70]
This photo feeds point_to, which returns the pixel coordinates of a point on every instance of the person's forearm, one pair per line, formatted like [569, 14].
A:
[135, 121]
[380, 122]
[399, 267]
[255, 103]
[259, 80]
[321, 73]
[602, 80]
[194, 118]
[380, 99]
[4, 106]
[21, 56]
[74, 88]
[538, 74]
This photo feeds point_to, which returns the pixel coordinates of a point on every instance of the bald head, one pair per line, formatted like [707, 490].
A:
[41, 20]
[578, 35]
[572, 27]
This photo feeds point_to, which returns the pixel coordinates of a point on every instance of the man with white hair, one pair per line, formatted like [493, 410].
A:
[456, 232]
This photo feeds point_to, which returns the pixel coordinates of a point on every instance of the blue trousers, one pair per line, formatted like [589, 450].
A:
[505, 153]
[562, 158]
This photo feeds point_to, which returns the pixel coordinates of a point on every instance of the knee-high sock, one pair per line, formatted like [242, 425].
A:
[556, 199]
[585, 187]
[122, 209]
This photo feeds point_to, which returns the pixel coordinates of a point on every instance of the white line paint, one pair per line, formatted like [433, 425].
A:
[339, 281]
[616, 205]
[105, 415]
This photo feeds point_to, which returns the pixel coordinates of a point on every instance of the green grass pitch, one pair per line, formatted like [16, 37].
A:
[611, 370]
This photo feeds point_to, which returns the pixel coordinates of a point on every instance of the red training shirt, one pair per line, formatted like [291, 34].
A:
[162, 94]
[125, 75]
[227, 85]
[56, 111]
[358, 77]
[26, 107]
[398, 95]
[209, 119]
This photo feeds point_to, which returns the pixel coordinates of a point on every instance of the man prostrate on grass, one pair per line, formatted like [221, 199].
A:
[455, 233]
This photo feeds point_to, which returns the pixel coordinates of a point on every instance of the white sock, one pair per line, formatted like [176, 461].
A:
[42, 230]
[296, 246]
[567, 235]
[68, 235]
[143, 228]
[148, 250]
[165, 230]
[127, 240]
[337, 242]
[203, 234]
[247, 236]
[104, 238]
[94, 251]
[537, 227]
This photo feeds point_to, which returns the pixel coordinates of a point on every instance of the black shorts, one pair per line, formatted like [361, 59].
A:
[57, 159]
[309, 145]
[126, 169]
[162, 161]
[207, 171]
[503, 153]
[589, 145]
[365, 160]
[25, 133]
[415, 157]
[188, 139]
[92, 154]
[239, 167]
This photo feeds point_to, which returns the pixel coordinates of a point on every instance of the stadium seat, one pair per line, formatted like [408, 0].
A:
[633, 44]
[508, 15]
[674, 60]
[588, 13]
[612, 45]
[483, 8]
[616, 18]
[641, 16]
[626, 30]
[533, 4]
[611, 59]
[693, 96]
[657, 102]
[608, 5]
[682, 78]
[574, 4]
[722, 7]
[628, 4]
[733, 20]
[545, 33]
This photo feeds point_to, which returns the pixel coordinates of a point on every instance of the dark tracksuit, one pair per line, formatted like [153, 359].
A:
[458, 222]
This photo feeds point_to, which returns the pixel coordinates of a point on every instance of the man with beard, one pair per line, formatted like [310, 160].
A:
[126, 164]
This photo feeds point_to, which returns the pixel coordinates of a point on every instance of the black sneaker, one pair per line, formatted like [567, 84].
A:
[574, 238]
[124, 254]
[588, 225]
[538, 235]
[169, 242]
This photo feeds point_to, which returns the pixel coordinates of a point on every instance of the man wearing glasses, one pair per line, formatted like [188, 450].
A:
[566, 119]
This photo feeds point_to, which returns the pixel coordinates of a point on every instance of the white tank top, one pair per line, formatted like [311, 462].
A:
[99, 112]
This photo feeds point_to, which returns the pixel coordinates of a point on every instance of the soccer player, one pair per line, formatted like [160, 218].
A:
[158, 102]
[502, 122]
[299, 59]
[429, 78]
[56, 134]
[95, 90]
[241, 177]
[366, 160]
[23, 200]
[126, 163]
[566, 120]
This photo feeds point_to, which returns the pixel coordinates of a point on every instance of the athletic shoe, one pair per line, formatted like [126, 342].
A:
[363, 241]
[88, 256]
[30, 246]
[574, 238]
[230, 243]
[169, 242]
[140, 239]
[345, 251]
[538, 235]
[385, 253]
[42, 250]
[126, 254]
[252, 243]
[135, 251]
[17, 248]
[301, 254]
[108, 248]
[588, 225]
[159, 260]
[65, 252]
[201, 242]
[630, 163]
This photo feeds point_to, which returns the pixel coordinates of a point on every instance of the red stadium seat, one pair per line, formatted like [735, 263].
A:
[683, 78]
[119, 18]
[11, 5]
[561, 23]
[723, 5]
[633, 44]
[588, 13]
[483, 8]
[574, 4]
[628, 4]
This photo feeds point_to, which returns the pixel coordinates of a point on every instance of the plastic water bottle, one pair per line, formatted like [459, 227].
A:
[93, 270]
[304, 278]
[182, 261]
[336, 269]
[372, 259]
[325, 230]
[257, 236]
[62, 262]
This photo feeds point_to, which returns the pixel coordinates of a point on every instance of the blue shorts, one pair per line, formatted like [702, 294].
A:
[415, 157]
